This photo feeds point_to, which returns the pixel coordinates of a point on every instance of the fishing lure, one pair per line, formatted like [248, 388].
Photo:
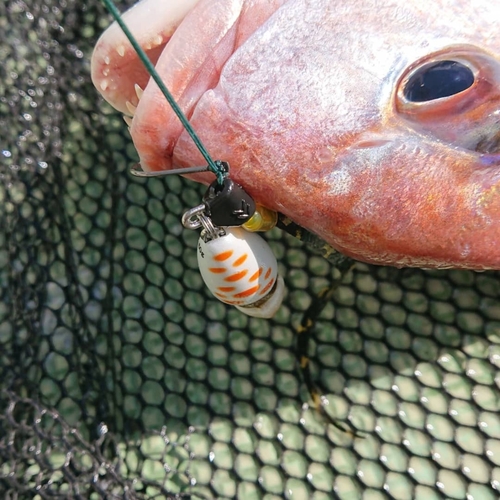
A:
[237, 265]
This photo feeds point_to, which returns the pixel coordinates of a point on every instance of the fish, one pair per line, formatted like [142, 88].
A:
[375, 126]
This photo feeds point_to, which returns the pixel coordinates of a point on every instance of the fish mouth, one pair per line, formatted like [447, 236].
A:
[116, 69]
[187, 58]
[189, 42]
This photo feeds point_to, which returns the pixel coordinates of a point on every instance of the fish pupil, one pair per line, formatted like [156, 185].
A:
[438, 80]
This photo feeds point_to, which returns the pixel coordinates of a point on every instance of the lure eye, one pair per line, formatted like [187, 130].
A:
[437, 80]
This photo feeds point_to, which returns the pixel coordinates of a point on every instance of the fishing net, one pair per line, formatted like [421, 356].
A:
[122, 377]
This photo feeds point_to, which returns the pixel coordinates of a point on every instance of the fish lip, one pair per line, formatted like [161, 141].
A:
[115, 65]
[189, 67]
[193, 60]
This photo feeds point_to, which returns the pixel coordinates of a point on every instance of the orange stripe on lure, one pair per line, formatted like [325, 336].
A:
[223, 255]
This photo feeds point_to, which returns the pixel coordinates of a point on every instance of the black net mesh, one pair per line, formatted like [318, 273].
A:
[122, 377]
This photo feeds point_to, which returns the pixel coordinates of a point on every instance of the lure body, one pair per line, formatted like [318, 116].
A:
[307, 100]
[240, 269]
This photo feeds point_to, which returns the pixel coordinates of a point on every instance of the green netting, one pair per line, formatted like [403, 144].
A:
[122, 377]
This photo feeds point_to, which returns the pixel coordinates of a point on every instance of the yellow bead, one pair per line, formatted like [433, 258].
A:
[262, 220]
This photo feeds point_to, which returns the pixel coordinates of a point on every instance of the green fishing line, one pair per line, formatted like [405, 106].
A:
[213, 166]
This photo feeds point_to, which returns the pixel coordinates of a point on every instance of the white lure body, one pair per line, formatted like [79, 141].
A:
[240, 269]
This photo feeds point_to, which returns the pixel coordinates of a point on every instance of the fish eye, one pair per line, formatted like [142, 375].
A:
[437, 80]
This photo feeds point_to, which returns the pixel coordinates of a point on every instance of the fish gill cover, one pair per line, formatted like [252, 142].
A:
[120, 375]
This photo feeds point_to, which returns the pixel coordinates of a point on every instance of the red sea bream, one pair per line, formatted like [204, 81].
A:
[320, 107]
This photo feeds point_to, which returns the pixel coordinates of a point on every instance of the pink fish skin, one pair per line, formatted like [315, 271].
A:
[306, 101]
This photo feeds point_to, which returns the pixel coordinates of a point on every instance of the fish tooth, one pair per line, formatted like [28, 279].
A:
[158, 39]
[138, 90]
[121, 50]
[107, 60]
[105, 71]
[104, 85]
[127, 120]
[130, 107]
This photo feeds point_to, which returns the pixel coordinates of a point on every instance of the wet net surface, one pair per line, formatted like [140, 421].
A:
[121, 377]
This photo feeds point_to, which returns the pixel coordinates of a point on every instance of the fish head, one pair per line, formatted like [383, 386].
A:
[377, 127]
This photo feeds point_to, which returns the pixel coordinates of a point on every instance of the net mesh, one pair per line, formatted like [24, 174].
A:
[122, 377]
